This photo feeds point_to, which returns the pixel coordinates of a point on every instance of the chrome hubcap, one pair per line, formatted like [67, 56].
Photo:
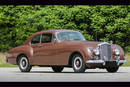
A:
[77, 63]
[23, 63]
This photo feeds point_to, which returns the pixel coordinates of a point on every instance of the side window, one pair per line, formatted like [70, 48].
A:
[46, 38]
[36, 39]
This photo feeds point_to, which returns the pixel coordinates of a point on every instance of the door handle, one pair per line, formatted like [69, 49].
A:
[40, 46]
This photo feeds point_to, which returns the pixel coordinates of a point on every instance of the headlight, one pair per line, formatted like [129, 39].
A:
[117, 52]
[96, 52]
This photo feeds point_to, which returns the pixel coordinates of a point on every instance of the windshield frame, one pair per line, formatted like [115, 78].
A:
[70, 40]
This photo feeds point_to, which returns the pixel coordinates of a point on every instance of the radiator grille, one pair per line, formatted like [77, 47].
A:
[106, 52]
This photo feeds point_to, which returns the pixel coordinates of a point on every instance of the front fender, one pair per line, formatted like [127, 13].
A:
[86, 53]
[122, 54]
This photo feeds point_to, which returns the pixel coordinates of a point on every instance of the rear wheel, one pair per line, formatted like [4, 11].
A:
[24, 64]
[112, 69]
[57, 68]
[78, 64]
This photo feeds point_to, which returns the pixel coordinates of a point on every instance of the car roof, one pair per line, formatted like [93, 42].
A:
[50, 31]
[57, 30]
[54, 31]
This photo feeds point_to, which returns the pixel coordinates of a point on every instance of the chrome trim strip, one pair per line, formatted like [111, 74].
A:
[95, 61]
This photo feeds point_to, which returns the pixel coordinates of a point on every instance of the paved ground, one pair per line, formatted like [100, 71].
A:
[45, 74]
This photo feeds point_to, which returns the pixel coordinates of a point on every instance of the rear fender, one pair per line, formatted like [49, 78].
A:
[22, 50]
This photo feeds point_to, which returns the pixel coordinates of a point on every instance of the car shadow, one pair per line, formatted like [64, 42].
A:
[65, 72]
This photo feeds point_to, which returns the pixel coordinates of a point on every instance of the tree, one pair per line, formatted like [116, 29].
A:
[106, 22]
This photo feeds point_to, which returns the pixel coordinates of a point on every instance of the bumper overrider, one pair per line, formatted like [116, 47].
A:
[103, 62]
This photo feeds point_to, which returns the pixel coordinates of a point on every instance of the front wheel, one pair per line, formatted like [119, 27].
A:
[24, 64]
[112, 69]
[78, 64]
[57, 68]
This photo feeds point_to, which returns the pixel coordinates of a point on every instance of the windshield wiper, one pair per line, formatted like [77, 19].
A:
[76, 39]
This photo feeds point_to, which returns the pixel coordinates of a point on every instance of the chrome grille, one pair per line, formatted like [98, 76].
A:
[105, 51]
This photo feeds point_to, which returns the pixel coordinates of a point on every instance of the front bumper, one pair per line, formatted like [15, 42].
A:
[103, 62]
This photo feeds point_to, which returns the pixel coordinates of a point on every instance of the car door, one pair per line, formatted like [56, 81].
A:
[35, 43]
[46, 50]
[63, 48]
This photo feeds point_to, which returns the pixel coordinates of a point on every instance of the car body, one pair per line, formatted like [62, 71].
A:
[65, 48]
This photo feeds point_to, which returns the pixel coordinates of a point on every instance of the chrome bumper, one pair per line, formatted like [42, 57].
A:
[95, 61]
[122, 61]
[103, 62]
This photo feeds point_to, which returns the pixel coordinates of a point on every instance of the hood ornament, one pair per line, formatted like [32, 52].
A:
[111, 42]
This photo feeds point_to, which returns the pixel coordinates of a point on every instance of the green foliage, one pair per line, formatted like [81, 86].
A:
[17, 23]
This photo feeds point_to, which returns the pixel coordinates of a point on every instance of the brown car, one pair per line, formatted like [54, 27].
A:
[65, 48]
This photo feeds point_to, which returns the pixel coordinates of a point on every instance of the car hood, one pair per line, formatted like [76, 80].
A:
[92, 44]
[83, 43]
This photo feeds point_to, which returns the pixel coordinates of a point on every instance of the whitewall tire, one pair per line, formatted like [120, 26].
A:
[24, 64]
[78, 64]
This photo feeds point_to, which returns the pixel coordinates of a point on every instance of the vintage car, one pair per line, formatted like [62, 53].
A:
[65, 48]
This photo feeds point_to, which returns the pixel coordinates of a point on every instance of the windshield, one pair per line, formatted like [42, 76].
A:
[70, 36]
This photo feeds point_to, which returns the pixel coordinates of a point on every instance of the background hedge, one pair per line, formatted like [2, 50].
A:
[17, 23]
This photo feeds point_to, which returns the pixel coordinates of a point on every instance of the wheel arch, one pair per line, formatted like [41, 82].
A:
[71, 56]
[19, 57]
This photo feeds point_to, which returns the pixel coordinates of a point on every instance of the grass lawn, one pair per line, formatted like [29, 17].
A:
[127, 56]
[4, 64]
